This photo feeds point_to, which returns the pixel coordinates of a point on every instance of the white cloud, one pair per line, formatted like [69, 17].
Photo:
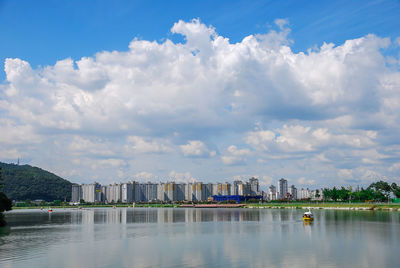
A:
[10, 154]
[338, 106]
[83, 146]
[259, 140]
[196, 148]
[304, 181]
[181, 177]
[144, 176]
[235, 156]
[298, 138]
[12, 133]
[265, 180]
[112, 162]
[138, 144]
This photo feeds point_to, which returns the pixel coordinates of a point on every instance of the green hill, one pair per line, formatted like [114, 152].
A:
[22, 182]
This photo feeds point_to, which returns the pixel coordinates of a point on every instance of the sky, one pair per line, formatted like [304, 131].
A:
[211, 91]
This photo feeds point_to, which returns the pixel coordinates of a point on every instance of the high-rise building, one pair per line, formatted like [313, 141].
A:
[293, 192]
[217, 189]
[127, 192]
[168, 191]
[304, 193]
[272, 193]
[91, 192]
[150, 191]
[237, 188]
[113, 193]
[197, 191]
[76, 194]
[254, 186]
[282, 188]
[208, 190]
[225, 188]
[180, 191]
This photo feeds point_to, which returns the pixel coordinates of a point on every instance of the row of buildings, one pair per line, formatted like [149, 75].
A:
[197, 191]
[164, 191]
[285, 192]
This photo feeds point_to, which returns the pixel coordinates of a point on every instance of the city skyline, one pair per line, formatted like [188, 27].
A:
[134, 191]
[304, 90]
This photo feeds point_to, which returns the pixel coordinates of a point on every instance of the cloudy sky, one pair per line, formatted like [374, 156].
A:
[151, 90]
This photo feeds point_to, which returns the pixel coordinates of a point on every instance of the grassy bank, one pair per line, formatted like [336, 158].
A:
[349, 206]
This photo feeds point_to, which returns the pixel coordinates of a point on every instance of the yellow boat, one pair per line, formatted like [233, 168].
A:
[308, 216]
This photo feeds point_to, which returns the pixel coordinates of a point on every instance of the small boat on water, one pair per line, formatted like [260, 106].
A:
[49, 210]
[308, 216]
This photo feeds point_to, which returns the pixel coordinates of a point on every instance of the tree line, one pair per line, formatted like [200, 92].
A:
[376, 192]
[5, 203]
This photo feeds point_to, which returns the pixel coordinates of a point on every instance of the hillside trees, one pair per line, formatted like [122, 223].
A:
[5, 203]
[22, 182]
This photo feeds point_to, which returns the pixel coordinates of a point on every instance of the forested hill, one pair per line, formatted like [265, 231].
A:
[22, 182]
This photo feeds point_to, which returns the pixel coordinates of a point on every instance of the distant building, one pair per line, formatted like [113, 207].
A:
[91, 192]
[254, 186]
[180, 191]
[272, 195]
[282, 188]
[208, 190]
[293, 192]
[304, 193]
[127, 192]
[237, 188]
[76, 194]
[113, 193]
[150, 191]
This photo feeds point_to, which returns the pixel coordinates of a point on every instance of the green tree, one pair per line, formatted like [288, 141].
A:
[5, 203]
[327, 194]
[317, 195]
[381, 190]
[395, 190]
[343, 194]
[334, 194]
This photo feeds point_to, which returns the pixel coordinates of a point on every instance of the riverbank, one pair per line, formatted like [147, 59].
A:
[340, 206]
[343, 206]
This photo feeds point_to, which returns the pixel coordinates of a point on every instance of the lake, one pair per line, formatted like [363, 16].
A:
[189, 237]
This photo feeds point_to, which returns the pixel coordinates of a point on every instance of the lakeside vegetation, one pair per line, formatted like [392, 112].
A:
[5, 202]
[378, 192]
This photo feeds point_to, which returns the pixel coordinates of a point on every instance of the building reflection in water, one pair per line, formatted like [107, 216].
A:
[162, 215]
[182, 215]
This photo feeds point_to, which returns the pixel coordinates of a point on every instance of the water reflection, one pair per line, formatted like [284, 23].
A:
[187, 237]
[139, 215]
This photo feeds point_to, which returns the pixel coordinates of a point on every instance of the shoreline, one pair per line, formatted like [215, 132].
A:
[330, 206]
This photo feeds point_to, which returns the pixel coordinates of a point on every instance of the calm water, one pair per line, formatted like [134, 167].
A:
[150, 237]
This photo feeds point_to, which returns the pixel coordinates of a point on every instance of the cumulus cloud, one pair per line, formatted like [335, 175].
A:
[158, 86]
[235, 156]
[304, 181]
[138, 144]
[181, 177]
[84, 146]
[298, 138]
[336, 103]
[144, 176]
[196, 149]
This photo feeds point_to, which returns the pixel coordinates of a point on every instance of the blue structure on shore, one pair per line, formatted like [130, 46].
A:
[237, 198]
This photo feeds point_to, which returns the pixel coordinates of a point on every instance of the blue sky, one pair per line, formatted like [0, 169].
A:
[230, 89]
[43, 32]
